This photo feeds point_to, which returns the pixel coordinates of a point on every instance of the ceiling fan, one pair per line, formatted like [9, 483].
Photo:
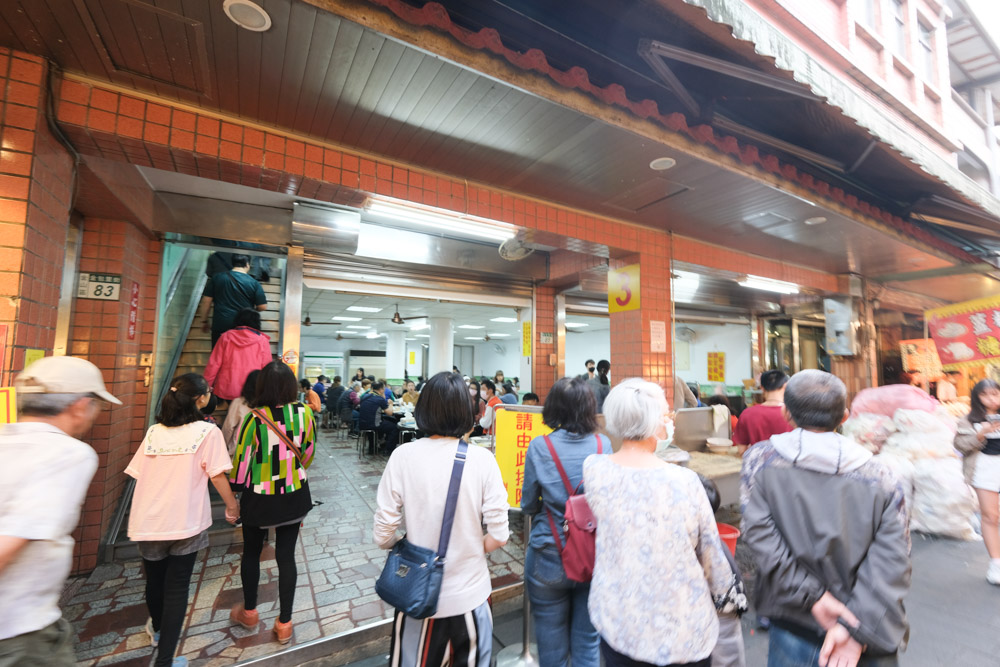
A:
[308, 322]
[397, 318]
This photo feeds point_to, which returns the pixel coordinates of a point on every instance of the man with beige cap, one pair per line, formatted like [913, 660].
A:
[45, 475]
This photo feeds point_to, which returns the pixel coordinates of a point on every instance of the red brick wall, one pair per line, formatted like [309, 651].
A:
[100, 334]
[35, 192]
[543, 374]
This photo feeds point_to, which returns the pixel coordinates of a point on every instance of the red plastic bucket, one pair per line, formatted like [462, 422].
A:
[729, 535]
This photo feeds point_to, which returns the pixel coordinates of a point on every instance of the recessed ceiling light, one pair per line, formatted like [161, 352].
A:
[662, 163]
[411, 339]
[347, 319]
[358, 326]
[371, 334]
[473, 338]
[352, 333]
[504, 319]
[364, 309]
[247, 14]
[422, 336]
[470, 326]
[497, 335]
[577, 324]
[817, 220]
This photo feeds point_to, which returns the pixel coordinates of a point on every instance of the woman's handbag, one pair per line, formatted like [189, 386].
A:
[411, 578]
[581, 527]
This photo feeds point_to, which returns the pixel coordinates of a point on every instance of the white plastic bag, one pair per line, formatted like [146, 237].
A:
[869, 430]
[943, 503]
[904, 470]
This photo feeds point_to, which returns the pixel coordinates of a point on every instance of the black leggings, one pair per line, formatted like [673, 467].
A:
[284, 553]
[167, 583]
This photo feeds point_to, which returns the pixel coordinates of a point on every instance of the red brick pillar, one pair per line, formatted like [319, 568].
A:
[631, 354]
[543, 374]
[101, 333]
[36, 175]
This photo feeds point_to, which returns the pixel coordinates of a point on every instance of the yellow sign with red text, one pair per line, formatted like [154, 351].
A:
[623, 289]
[8, 405]
[515, 429]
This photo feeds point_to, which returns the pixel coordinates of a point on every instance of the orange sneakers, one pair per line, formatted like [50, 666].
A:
[283, 631]
[248, 619]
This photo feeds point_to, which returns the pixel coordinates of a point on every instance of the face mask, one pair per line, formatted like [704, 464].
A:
[472, 392]
[590, 369]
[482, 394]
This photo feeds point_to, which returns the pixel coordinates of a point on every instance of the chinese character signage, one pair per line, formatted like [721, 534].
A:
[716, 366]
[526, 339]
[8, 405]
[514, 430]
[102, 286]
[133, 311]
[623, 289]
[966, 334]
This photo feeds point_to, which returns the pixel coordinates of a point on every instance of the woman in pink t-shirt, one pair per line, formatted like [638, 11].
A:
[171, 511]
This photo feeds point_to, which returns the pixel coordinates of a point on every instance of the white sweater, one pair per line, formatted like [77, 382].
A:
[416, 481]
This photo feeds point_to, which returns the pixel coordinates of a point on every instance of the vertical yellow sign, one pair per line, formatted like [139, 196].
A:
[526, 339]
[514, 431]
[413, 357]
[716, 366]
[32, 355]
[8, 405]
[623, 289]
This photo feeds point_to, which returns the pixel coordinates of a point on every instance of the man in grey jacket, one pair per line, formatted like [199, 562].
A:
[828, 529]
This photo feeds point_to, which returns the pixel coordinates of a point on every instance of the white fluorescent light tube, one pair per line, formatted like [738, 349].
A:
[504, 319]
[498, 335]
[576, 324]
[441, 219]
[364, 309]
[470, 326]
[372, 334]
[769, 285]
[357, 326]
[349, 332]
[473, 338]
[347, 319]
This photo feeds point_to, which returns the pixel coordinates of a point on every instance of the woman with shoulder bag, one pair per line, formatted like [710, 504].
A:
[416, 479]
[171, 511]
[275, 447]
[559, 605]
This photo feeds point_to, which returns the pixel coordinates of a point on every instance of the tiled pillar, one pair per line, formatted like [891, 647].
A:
[35, 190]
[101, 333]
[543, 375]
[631, 354]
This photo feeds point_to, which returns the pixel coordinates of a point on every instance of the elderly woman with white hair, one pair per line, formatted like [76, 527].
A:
[659, 571]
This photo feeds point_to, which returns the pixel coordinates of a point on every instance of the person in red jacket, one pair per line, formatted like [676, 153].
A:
[239, 351]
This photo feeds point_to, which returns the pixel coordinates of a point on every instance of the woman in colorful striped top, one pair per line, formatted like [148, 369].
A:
[275, 447]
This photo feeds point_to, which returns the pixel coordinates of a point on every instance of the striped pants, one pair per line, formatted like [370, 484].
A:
[454, 641]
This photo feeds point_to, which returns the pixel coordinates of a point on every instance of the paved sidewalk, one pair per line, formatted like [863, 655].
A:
[337, 566]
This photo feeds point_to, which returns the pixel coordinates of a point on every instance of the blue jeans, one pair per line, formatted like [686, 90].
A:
[787, 649]
[559, 609]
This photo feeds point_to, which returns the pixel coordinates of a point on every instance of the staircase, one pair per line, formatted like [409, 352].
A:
[196, 349]
[198, 345]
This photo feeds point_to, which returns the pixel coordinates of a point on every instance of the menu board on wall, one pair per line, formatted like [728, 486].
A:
[716, 366]
[966, 334]
[920, 356]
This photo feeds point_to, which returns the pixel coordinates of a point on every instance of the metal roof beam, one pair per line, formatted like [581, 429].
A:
[724, 67]
[959, 270]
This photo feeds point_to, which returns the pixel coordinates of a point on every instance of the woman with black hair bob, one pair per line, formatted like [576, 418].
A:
[416, 481]
[275, 446]
[559, 606]
[180, 454]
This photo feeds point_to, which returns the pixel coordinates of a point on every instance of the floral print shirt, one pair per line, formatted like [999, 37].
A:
[660, 573]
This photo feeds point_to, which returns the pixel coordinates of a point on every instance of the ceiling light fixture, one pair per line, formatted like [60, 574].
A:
[769, 285]
[419, 327]
[372, 334]
[574, 325]
[499, 335]
[504, 319]
[440, 219]
[358, 326]
[470, 326]
[347, 319]
[662, 163]
[364, 309]
[422, 336]
[246, 14]
[352, 333]
[473, 338]
[817, 220]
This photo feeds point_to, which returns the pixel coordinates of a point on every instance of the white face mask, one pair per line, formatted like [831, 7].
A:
[482, 393]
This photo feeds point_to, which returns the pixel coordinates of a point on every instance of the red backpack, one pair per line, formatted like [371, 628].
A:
[580, 526]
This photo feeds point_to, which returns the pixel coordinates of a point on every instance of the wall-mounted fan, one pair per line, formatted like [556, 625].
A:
[515, 249]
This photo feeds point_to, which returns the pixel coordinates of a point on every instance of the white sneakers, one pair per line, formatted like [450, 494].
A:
[993, 573]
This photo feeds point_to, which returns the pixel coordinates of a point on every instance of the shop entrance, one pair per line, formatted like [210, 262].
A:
[795, 345]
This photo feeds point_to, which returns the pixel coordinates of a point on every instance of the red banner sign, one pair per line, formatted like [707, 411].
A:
[966, 334]
[133, 311]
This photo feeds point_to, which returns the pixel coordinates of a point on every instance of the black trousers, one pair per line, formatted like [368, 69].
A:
[167, 583]
[285, 538]
[613, 658]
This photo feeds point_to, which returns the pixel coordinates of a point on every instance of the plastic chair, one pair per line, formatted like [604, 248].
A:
[367, 437]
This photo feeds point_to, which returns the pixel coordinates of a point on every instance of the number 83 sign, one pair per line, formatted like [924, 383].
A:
[623, 289]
